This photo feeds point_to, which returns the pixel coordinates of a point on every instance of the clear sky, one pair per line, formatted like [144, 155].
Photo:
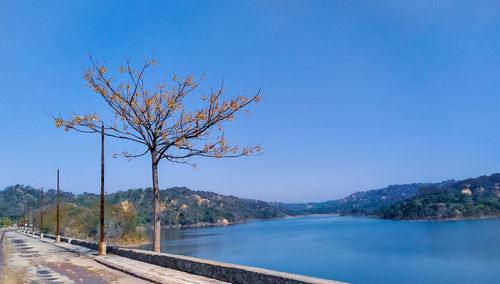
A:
[358, 94]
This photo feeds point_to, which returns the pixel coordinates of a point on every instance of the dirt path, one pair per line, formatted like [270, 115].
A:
[31, 261]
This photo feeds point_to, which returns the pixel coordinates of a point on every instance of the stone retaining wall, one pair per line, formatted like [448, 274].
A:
[213, 269]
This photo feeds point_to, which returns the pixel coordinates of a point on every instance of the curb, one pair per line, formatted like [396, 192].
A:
[118, 268]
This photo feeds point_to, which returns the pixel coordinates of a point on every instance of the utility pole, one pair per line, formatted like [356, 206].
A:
[102, 244]
[28, 219]
[24, 216]
[18, 221]
[33, 217]
[41, 215]
[57, 211]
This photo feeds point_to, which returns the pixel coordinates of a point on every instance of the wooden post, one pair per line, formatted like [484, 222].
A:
[24, 217]
[41, 215]
[102, 244]
[28, 219]
[57, 211]
[33, 217]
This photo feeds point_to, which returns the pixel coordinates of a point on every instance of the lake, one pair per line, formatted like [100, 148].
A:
[353, 249]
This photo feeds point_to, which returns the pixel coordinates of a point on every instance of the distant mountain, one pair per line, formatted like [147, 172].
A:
[470, 198]
[368, 203]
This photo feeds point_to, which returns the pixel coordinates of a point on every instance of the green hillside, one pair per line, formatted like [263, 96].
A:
[365, 203]
[180, 206]
[470, 198]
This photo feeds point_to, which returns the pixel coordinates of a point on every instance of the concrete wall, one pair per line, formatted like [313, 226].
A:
[213, 269]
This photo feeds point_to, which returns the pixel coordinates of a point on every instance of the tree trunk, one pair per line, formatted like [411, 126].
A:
[156, 197]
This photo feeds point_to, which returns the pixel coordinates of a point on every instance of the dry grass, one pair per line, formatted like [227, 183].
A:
[13, 277]
[10, 276]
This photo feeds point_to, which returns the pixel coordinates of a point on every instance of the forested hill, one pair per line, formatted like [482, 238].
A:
[180, 205]
[15, 199]
[368, 203]
[449, 200]
[470, 198]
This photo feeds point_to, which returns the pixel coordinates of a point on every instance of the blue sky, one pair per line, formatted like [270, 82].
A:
[358, 94]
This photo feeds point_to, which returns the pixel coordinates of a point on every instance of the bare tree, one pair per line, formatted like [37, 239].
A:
[158, 119]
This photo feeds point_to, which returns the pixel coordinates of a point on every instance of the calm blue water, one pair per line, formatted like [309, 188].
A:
[352, 249]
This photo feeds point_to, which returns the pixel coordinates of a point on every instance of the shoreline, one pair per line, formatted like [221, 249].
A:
[213, 225]
[310, 215]
[448, 219]
[209, 225]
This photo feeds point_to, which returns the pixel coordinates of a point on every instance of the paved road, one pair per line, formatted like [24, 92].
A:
[33, 260]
